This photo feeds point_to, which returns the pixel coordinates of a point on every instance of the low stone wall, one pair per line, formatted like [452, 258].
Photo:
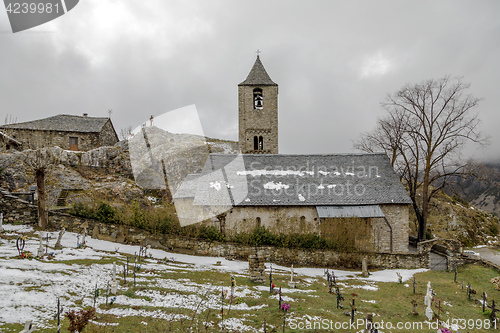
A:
[16, 210]
[282, 256]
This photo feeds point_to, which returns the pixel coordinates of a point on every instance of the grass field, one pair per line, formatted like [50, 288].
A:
[183, 293]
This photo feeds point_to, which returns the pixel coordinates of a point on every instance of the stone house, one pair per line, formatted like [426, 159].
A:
[324, 194]
[70, 132]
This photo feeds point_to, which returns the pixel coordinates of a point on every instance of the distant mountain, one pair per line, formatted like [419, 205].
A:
[482, 191]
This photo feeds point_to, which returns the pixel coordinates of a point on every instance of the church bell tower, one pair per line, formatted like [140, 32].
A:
[258, 112]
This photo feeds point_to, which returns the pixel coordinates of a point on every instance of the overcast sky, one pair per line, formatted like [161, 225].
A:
[334, 61]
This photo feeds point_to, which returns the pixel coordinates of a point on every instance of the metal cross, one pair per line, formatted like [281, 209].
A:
[258, 52]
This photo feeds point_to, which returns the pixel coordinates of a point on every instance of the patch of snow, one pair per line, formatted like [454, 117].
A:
[275, 186]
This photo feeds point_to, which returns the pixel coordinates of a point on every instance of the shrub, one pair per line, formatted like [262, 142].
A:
[78, 320]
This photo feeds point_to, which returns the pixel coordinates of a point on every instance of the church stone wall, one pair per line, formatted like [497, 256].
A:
[398, 218]
[304, 219]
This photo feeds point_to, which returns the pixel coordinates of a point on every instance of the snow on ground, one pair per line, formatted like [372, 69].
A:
[29, 288]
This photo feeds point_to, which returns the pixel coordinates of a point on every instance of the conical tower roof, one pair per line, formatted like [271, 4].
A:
[258, 76]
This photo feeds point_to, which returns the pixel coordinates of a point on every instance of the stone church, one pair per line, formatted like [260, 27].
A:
[294, 193]
[69, 132]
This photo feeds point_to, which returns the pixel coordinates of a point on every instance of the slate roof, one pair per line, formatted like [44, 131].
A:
[296, 180]
[258, 76]
[63, 123]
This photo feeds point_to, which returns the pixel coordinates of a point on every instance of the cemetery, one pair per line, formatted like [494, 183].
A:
[61, 281]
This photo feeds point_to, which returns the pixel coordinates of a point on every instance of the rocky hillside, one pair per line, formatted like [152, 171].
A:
[113, 173]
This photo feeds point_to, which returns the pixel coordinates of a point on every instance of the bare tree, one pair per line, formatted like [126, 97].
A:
[427, 126]
[125, 132]
[40, 160]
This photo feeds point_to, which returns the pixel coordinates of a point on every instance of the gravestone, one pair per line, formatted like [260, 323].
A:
[114, 284]
[95, 232]
[1, 222]
[28, 327]
[292, 283]
[58, 245]
[40, 248]
[364, 266]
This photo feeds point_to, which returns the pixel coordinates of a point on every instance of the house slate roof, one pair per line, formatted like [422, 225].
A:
[63, 123]
[295, 180]
[258, 76]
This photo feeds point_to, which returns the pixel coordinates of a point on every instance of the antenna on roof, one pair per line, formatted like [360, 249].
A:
[110, 111]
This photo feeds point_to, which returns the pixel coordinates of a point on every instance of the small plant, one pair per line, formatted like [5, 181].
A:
[78, 320]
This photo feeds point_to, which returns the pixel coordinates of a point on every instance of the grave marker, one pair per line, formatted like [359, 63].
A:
[28, 327]
[60, 309]
[58, 245]
[47, 244]
[484, 296]
[271, 279]
[292, 283]
[364, 267]
[414, 307]
[340, 298]
[279, 299]
[20, 243]
[493, 316]
[40, 247]
[414, 285]
[114, 284]
[1, 222]
[400, 278]
[353, 309]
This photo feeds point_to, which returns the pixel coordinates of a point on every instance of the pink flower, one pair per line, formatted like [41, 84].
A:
[285, 307]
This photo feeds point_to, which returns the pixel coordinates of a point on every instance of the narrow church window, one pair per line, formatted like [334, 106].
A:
[255, 143]
[261, 143]
[258, 222]
[258, 101]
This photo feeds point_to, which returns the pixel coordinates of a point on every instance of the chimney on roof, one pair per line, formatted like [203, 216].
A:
[85, 114]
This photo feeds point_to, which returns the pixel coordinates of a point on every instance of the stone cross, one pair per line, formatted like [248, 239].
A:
[292, 283]
[28, 327]
[58, 245]
[40, 248]
[400, 278]
[1, 222]
[114, 284]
